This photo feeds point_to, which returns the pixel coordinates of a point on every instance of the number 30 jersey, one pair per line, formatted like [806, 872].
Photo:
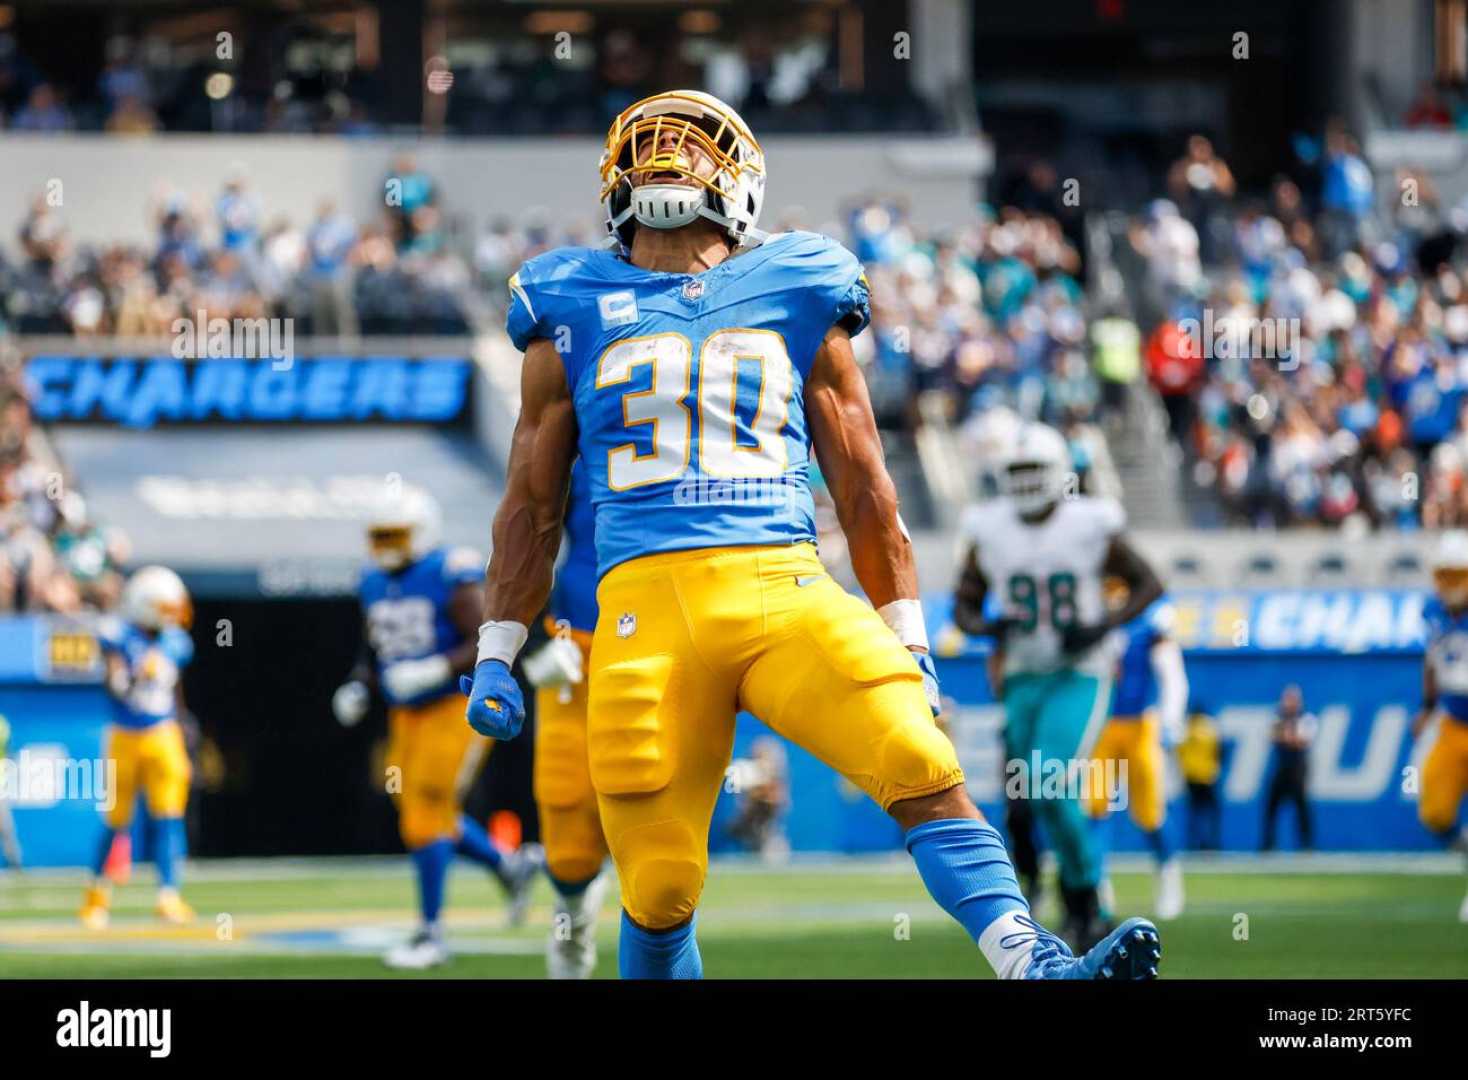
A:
[1047, 576]
[688, 388]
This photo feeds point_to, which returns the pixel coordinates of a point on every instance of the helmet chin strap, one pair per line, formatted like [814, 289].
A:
[672, 206]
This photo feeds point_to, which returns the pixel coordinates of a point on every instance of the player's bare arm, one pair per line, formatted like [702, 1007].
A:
[465, 605]
[527, 527]
[844, 435]
[969, 597]
[1144, 587]
[118, 675]
[527, 535]
[364, 670]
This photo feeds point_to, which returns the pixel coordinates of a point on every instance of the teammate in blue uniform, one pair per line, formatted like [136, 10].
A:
[146, 649]
[693, 369]
[1148, 702]
[420, 604]
[1445, 692]
[570, 823]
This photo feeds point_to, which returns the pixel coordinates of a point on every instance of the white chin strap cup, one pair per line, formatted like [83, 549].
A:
[666, 206]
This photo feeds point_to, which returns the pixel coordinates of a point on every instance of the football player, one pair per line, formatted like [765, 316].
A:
[693, 369]
[420, 605]
[146, 649]
[1045, 549]
[570, 824]
[1149, 700]
[1445, 692]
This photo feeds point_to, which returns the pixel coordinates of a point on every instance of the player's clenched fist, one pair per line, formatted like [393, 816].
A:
[496, 706]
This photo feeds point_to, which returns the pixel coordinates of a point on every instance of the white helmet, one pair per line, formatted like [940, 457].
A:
[989, 438]
[1037, 468]
[732, 196]
[402, 527]
[1450, 568]
[155, 598]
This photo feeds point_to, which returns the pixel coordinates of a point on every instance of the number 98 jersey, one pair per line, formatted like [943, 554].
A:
[1047, 576]
[688, 388]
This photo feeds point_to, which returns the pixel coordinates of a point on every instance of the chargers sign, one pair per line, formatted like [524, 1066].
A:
[142, 392]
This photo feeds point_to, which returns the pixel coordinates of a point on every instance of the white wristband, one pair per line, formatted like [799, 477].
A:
[905, 619]
[501, 641]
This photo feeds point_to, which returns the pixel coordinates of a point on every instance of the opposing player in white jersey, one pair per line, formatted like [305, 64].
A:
[1043, 549]
[1445, 691]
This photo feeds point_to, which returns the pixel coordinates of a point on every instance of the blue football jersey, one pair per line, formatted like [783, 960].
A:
[574, 597]
[688, 388]
[407, 612]
[1136, 684]
[155, 664]
[1447, 652]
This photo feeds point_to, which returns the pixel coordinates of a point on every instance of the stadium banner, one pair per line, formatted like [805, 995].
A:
[143, 392]
[1355, 654]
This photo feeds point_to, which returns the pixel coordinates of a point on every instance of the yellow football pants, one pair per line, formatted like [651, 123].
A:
[1444, 776]
[153, 760]
[1138, 742]
[685, 640]
[436, 755]
[570, 824]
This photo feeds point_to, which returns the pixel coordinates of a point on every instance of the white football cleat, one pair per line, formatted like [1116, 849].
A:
[517, 873]
[1169, 900]
[570, 950]
[424, 951]
[1463, 911]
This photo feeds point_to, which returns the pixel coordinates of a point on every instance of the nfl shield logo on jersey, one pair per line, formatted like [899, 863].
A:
[627, 625]
[692, 290]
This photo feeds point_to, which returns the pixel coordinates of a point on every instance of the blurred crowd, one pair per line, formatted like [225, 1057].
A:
[1311, 346]
[334, 275]
[53, 555]
[505, 80]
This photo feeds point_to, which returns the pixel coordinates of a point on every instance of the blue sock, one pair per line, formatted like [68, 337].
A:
[474, 843]
[1160, 845]
[967, 871]
[672, 954]
[168, 846]
[432, 861]
[104, 848]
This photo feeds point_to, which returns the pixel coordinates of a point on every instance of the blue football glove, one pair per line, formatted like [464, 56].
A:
[496, 706]
[930, 682]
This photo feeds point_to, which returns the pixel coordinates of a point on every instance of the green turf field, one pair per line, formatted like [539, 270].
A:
[333, 918]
